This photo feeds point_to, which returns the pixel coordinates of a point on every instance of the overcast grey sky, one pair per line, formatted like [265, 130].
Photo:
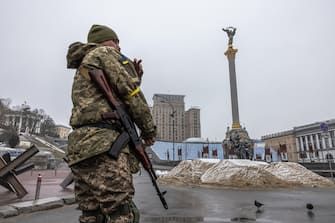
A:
[285, 62]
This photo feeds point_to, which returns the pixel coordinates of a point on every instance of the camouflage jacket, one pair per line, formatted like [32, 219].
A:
[89, 103]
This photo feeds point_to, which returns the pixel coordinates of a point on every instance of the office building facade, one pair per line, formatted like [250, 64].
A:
[192, 123]
[168, 112]
[173, 123]
[305, 143]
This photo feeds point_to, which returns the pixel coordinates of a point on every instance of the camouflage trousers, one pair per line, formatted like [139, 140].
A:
[104, 187]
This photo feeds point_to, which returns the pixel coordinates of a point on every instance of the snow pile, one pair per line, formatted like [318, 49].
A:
[296, 173]
[188, 172]
[161, 172]
[240, 174]
[243, 174]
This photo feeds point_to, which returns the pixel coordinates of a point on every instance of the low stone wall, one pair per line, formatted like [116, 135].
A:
[323, 169]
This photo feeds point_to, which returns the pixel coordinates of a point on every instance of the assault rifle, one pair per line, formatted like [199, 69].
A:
[130, 134]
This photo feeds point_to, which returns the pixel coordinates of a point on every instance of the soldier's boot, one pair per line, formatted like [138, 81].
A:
[127, 213]
[92, 217]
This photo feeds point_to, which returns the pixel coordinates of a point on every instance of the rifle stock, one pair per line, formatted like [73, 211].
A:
[100, 80]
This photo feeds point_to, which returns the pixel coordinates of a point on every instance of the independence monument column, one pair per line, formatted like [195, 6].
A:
[237, 143]
[230, 53]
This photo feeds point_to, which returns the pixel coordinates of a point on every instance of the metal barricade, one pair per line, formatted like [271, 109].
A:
[9, 169]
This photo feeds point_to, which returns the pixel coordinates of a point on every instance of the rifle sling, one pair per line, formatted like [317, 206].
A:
[101, 125]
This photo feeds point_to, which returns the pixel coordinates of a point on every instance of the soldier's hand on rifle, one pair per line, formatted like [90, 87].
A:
[138, 67]
[149, 142]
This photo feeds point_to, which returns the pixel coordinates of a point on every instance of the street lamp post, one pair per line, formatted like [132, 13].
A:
[172, 115]
[326, 137]
[173, 134]
[173, 123]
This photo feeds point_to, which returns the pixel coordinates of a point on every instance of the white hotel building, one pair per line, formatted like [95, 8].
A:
[314, 145]
[305, 143]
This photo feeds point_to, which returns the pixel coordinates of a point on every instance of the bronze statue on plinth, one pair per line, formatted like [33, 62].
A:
[230, 32]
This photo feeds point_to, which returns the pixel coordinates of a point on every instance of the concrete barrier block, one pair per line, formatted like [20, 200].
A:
[38, 205]
[8, 211]
[69, 199]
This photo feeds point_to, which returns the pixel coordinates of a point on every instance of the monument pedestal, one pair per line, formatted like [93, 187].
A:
[237, 144]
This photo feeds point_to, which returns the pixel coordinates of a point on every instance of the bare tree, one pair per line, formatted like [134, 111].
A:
[48, 127]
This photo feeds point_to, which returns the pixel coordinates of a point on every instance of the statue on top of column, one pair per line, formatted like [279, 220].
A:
[230, 32]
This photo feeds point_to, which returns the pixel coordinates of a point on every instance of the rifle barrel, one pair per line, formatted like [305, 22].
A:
[159, 193]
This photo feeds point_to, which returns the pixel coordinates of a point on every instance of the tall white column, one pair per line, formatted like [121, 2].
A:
[333, 139]
[230, 53]
[302, 148]
[307, 149]
[297, 143]
[323, 143]
[317, 141]
[306, 142]
[330, 143]
[301, 144]
[20, 124]
[12, 120]
[312, 141]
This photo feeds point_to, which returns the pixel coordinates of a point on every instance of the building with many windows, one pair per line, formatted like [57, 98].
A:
[283, 143]
[63, 131]
[306, 143]
[173, 123]
[24, 121]
[168, 112]
[314, 144]
[192, 123]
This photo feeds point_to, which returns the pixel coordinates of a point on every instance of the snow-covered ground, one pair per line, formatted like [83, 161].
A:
[243, 174]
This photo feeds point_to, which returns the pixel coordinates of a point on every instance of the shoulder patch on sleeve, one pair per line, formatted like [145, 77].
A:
[124, 60]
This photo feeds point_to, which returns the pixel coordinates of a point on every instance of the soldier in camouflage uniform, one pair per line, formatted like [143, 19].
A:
[103, 185]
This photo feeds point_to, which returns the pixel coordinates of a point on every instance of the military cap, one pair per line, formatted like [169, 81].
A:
[100, 33]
